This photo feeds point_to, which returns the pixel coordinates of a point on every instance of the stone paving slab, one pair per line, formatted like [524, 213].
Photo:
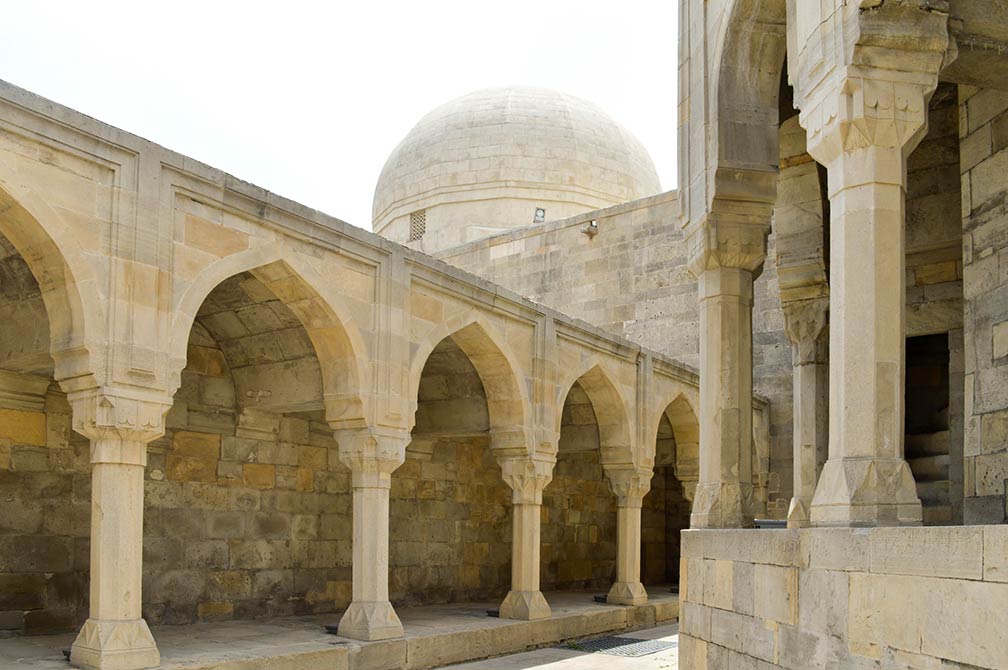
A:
[436, 635]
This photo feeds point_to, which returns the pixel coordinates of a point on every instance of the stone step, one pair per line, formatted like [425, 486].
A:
[927, 444]
[930, 468]
[933, 493]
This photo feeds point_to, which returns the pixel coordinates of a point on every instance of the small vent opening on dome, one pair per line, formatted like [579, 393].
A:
[417, 225]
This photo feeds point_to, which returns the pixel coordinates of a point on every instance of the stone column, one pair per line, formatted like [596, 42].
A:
[115, 636]
[866, 481]
[723, 257]
[629, 486]
[863, 74]
[805, 320]
[527, 477]
[371, 456]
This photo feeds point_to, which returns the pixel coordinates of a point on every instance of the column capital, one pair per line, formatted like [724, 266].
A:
[873, 91]
[713, 243]
[527, 476]
[372, 454]
[804, 321]
[119, 421]
[629, 485]
[867, 109]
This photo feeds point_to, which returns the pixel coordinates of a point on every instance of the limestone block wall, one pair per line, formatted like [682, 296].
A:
[578, 531]
[247, 513]
[983, 134]
[45, 489]
[908, 598]
[450, 523]
[630, 278]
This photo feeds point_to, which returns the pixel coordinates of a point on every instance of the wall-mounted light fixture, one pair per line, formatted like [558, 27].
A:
[591, 230]
[539, 216]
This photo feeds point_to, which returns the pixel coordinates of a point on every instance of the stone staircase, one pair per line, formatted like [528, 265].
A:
[928, 456]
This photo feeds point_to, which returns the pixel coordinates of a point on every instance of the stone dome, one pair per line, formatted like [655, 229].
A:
[486, 162]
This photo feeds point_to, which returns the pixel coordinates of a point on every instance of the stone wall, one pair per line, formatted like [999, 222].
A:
[630, 278]
[45, 489]
[907, 598]
[983, 135]
[450, 523]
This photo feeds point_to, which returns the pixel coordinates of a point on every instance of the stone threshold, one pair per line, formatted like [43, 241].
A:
[436, 635]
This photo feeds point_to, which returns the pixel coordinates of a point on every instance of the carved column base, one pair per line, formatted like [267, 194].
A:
[627, 593]
[525, 606]
[866, 492]
[370, 621]
[798, 514]
[722, 505]
[115, 645]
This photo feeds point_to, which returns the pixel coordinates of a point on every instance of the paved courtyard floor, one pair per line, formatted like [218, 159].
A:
[552, 658]
[436, 635]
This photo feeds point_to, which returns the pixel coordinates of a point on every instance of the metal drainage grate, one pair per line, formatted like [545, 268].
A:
[621, 646]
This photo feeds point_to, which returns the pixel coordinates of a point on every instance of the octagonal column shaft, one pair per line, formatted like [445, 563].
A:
[371, 458]
[115, 636]
[527, 478]
[805, 320]
[724, 493]
[866, 480]
[630, 486]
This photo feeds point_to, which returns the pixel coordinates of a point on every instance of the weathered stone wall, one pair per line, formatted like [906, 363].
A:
[450, 523]
[983, 135]
[909, 598]
[45, 490]
[247, 508]
[630, 278]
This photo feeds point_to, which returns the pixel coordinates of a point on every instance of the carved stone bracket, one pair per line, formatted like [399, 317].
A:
[372, 455]
[804, 321]
[119, 422]
[712, 243]
[629, 485]
[527, 477]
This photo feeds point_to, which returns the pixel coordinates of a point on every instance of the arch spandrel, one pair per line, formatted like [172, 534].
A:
[66, 280]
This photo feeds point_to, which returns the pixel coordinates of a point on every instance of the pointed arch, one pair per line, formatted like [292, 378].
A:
[67, 283]
[338, 345]
[611, 412]
[682, 418]
[506, 397]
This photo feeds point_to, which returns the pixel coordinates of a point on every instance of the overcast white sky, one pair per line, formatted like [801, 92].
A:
[307, 99]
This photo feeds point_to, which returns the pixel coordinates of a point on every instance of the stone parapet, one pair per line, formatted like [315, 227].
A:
[816, 597]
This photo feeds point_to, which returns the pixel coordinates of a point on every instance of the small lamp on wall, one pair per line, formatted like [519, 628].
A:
[591, 230]
[539, 216]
